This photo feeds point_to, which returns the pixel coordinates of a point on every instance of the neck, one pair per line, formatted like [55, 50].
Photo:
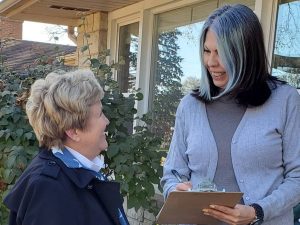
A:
[78, 148]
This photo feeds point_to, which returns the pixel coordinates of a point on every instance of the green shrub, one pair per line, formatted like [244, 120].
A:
[133, 158]
[17, 141]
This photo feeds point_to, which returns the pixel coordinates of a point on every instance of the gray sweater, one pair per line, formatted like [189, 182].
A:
[224, 116]
[265, 152]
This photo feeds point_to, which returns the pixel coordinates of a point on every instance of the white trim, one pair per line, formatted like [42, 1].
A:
[113, 33]
[267, 13]
[177, 5]
[145, 47]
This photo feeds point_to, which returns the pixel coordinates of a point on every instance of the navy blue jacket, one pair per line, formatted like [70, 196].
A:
[49, 193]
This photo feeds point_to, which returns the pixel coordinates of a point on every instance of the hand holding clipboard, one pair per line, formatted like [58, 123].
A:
[194, 201]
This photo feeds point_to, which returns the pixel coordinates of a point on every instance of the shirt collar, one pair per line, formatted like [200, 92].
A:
[96, 164]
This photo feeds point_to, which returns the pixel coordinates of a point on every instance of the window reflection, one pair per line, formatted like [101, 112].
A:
[176, 69]
[127, 56]
[286, 57]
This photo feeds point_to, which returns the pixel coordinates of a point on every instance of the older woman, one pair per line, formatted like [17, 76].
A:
[63, 185]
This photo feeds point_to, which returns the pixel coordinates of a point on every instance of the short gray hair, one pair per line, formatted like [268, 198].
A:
[61, 102]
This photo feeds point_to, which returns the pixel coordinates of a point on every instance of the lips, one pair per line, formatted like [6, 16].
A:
[217, 74]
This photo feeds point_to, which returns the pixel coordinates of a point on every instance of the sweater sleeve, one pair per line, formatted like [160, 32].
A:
[176, 158]
[287, 195]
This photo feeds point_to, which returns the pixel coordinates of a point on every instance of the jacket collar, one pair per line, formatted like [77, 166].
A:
[108, 193]
[80, 177]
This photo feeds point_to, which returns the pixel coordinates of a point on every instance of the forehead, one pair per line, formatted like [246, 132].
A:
[210, 39]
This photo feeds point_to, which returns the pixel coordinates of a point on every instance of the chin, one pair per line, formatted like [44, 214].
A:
[103, 148]
[221, 86]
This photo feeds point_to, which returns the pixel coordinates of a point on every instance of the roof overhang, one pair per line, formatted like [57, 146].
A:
[63, 12]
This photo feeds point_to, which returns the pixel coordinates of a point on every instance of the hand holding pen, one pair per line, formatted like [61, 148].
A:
[182, 186]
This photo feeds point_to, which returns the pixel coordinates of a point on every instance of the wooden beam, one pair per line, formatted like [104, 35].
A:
[21, 8]
[6, 5]
[47, 19]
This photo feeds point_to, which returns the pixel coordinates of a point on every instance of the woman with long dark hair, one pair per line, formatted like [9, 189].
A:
[240, 128]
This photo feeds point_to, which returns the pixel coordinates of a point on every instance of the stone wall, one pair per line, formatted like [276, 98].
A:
[142, 217]
[10, 28]
[92, 32]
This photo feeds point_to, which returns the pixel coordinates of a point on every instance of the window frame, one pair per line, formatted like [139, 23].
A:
[145, 11]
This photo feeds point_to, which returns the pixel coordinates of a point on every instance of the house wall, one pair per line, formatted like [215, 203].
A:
[92, 31]
[10, 28]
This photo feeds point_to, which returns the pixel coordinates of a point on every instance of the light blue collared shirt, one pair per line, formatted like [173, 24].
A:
[96, 164]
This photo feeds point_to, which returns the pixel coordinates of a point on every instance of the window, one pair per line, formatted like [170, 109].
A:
[127, 56]
[176, 63]
[286, 55]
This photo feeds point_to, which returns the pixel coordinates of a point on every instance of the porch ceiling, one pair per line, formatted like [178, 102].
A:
[64, 12]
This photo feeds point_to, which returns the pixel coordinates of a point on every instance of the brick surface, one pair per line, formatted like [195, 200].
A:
[10, 28]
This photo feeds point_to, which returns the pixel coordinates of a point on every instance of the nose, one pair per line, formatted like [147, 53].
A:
[212, 60]
[106, 121]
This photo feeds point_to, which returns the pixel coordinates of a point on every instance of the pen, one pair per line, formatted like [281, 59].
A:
[177, 175]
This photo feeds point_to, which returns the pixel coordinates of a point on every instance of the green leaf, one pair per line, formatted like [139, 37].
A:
[95, 63]
[7, 136]
[125, 187]
[19, 132]
[84, 48]
[139, 96]
[4, 93]
[131, 202]
[1, 133]
[28, 135]
[11, 161]
[112, 151]
[8, 176]
[16, 117]
[22, 162]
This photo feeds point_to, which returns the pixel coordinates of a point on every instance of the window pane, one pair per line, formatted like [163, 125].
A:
[286, 57]
[127, 55]
[176, 62]
[176, 65]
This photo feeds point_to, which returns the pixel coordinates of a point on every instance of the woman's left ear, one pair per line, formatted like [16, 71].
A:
[72, 134]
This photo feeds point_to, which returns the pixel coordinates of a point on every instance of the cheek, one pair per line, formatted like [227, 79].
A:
[227, 77]
[205, 60]
[221, 63]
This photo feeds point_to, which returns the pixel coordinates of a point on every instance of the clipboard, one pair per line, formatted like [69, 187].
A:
[185, 207]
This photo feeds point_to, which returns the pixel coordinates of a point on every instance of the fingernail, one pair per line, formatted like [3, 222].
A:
[205, 211]
[212, 206]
